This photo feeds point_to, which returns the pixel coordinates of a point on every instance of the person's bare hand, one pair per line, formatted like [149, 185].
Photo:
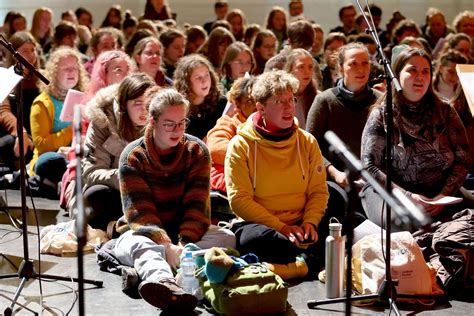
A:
[338, 176]
[173, 253]
[310, 233]
[294, 233]
[431, 209]
[27, 143]
[341, 179]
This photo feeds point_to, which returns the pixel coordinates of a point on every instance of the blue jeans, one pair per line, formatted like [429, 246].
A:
[51, 165]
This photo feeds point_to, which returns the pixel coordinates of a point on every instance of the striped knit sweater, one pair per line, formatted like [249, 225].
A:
[165, 202]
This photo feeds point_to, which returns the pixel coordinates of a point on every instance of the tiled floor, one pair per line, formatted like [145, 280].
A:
[59, 297]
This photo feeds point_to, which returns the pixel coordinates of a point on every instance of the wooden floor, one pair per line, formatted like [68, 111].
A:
[60, 297]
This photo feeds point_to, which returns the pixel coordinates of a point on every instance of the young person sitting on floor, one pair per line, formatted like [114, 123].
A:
[164, 183]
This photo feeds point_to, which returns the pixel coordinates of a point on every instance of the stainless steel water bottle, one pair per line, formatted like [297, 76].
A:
[334, 260]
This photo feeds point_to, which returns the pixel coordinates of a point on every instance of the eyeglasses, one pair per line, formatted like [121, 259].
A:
[171, 126]
[279, 102]
[243, 63]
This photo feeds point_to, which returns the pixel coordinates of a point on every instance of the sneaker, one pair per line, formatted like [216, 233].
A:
[296, 269]
[167, 296]
[130, 282]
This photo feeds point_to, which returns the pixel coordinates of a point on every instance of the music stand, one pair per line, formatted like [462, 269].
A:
[26, 269]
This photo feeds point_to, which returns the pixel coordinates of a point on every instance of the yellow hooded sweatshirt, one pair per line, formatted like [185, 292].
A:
[275, 183]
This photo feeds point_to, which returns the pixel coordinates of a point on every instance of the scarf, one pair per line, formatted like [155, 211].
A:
[270, 132]
[353, 100]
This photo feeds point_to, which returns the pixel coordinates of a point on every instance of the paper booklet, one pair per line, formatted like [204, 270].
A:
[73, 97]
[466, 77]
[445, 200]
[9, 80]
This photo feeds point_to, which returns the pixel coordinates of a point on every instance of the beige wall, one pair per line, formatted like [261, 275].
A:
[199, 11]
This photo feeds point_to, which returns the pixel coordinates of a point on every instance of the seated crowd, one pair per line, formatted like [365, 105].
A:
[175, 112]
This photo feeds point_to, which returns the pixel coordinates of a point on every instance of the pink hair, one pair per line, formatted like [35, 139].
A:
[99, 76]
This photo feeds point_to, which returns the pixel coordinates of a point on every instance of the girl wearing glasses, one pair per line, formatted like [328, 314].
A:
[118, 115]
[196, 79]
[164, 182]
[238, 60]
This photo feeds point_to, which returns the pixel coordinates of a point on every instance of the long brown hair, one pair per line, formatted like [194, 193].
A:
[401, 60]
[230, 55]
[182, 78]
[17, 40]
[132, 87]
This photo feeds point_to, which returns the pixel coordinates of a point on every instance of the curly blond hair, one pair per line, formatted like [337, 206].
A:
[272, 83]
[461, 16]
[51, 72]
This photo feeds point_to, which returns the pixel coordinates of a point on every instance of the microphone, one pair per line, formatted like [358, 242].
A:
[340, 148]
[416, 213]
[79, 210]
[409, 215]
[77, 128]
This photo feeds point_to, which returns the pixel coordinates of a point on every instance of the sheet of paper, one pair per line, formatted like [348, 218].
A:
[366, 228]
[9, 80]
[466, 77]
[445, 200]
[73, 97]
[439, 47]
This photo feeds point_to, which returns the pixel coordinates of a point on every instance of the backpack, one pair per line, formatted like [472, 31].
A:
[250, 290]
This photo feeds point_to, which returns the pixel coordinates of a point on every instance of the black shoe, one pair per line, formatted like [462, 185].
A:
[167, 296]
[130, 282]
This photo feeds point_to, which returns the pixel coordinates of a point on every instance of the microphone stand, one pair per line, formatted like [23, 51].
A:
[81, 222]
[387, 289]
[409, 216]
[26, 269]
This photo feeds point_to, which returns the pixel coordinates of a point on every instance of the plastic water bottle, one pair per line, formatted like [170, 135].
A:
[334, 260]
[189, 282]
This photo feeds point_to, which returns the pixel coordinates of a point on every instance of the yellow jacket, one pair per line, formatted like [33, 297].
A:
[275, 183]
[42, 120]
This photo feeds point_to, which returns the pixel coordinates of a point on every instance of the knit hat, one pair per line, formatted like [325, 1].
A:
[396, 51]
[218, 265]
